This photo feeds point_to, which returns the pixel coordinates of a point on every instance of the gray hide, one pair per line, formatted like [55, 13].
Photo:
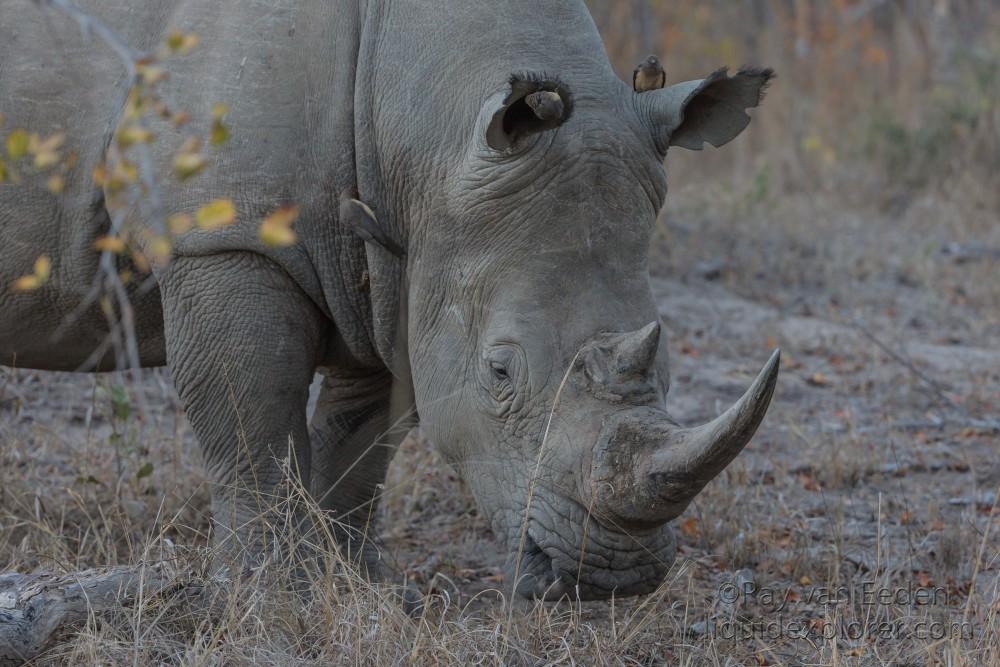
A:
[506, 182]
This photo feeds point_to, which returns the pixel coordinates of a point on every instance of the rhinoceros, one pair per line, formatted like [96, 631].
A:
[488, 261]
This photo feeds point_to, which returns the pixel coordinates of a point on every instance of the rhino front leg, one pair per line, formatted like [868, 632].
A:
[242, 343]
[353, 442]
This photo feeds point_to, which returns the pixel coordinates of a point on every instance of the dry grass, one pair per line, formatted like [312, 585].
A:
[826, 516]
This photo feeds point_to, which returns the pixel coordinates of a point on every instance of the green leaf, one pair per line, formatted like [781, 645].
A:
[145, 471]
[17, 144]
[120, 407]
[219, 134]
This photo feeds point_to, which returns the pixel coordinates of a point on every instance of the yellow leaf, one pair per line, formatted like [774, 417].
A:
[140, 261]
[152, 75]
[215, 214]
[100, 175]
[27, 283]
[125, 171]
[43, 266]
[3, 171]
[190, 145]
[219, 134]
[283, 216]
[110, 243]
[133, 134]
[46, 160]
[187, 165]
[159, 249]
[134, 104]
[49, 144]
[181, 43]
[276, 229]
[276, 236]
[17, 144]
[46, 151]
[219, 109]
[178, 223]
[56, 184]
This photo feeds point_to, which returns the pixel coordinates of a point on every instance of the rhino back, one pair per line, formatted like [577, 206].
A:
[53, 79]
[285, 70]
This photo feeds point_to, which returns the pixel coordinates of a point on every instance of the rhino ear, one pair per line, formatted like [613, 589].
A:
[712, 109]
[535, 104]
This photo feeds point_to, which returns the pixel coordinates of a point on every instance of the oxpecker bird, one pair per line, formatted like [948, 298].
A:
[649, 75]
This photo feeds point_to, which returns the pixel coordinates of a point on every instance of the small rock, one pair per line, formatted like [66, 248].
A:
[963, 253]
[709, 269]
[700, 628]
[134, 509]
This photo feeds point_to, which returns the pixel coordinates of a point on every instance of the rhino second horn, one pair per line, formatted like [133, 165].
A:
[547, 105]
[636, 352]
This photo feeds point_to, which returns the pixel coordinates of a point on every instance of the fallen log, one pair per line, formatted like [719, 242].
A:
[35, 609]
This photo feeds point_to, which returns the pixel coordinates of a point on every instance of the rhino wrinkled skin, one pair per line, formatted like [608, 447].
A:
[519, 321]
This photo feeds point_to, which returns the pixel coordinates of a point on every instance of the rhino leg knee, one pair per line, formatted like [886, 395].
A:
[242, 344]
[353, 442]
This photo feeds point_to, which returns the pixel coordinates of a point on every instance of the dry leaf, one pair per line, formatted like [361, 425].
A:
[178, 223]
[133, 134]
[817, 379]
[808, 482]
[56, 184]
[219, 133]
[159, 249]
[43, 266]
[100, 175]
[152, 75]
[187, 165]
[181, 43]
[110, 243]
[42, 269]
[215, 214]
[46, 151]
[276, 229]
[690, 526]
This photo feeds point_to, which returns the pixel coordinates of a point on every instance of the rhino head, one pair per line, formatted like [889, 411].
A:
[538, 361]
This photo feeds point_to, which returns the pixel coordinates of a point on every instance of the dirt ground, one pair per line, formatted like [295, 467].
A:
[859, 527]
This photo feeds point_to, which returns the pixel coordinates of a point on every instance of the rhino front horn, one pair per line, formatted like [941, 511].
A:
[647, 469]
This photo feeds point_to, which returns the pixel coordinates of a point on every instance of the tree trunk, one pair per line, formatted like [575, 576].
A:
[37, 608]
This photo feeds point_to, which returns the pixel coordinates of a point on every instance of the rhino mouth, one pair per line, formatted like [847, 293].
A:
[592, 564]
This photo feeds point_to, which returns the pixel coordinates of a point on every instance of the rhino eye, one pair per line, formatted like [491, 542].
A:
[502, 374]
[499, 370]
